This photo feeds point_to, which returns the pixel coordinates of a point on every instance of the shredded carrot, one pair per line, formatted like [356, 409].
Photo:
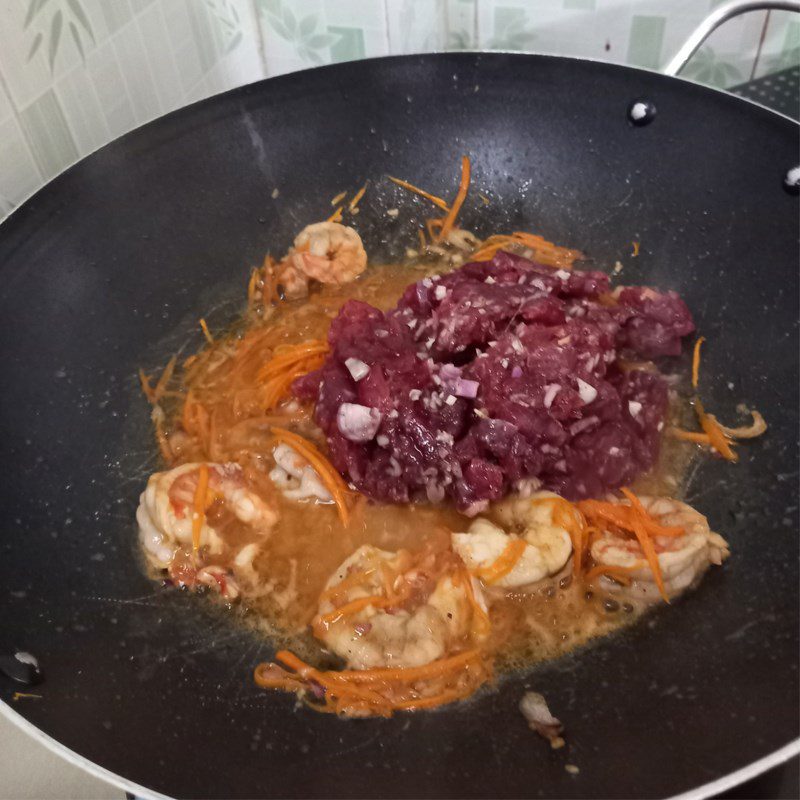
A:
[353, 206]
[690, 436]
[251, 288]
[338, 199]
[484, 199]
[504, 563]
[463, 188]
[481, 624]
[163, 442]
[206, 331]
[336, 216]
[353, 607]
[619, 574]
[719, 441]
[437, 201]
[425, 672]
[544, 252]
[635, 252]
[146, 387]
[696, 361]
[199, 505]
[569, 517]
[423, 244]
[756, 428]
[634, 519]
[326, 471]
[165, 378]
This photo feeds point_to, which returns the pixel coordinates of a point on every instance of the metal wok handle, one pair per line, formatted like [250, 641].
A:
[715, 19]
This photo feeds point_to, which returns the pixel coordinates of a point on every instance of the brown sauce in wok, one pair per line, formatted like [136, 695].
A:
[309, 541]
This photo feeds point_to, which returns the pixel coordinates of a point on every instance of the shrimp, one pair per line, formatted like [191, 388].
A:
[383, 609]
[546, 545]
[327, 252]
[295, 477]
[165, 519]
[682, 559]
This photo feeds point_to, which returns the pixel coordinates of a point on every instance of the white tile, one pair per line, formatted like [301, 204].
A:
[111, 90]
[156, 39]
[178, 25]
[27, 80]
[135, 69]
[82, 110]
[19, 175]
[6, 109]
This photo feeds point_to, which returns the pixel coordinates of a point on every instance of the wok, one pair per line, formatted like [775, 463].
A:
[108, 268]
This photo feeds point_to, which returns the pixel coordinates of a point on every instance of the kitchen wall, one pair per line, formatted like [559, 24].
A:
[75, 74]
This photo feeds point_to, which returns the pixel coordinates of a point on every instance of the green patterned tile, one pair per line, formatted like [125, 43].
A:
[47, 134]
[349, 45]
[644, 43]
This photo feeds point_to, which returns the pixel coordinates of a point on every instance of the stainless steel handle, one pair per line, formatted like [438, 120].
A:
[715, 19]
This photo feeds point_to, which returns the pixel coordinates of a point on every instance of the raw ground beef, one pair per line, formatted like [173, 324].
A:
[540, 351]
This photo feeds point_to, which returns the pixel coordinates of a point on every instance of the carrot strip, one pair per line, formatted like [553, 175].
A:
[353, 607]
[166, 375]
[504, 563]
[716, 436]
[353, 206]
[635, 252]
[326, 471]
[756, 428]
[437, 201]
[206, 331]
[146, 387]
[338, 199]
[696, 361]
[690, 436]
[199, 515]
[461, 195]
[616, 572]
[336, 216]
[645, 542]
[407, 674]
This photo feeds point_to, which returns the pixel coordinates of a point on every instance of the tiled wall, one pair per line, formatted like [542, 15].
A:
[75, 74]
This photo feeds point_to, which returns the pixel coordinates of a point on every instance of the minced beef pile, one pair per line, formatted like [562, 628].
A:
[495, 374]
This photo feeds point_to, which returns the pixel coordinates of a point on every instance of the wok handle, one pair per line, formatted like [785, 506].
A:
[715, 19]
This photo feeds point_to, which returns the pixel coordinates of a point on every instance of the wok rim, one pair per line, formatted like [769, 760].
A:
[732, 779]
[404, 56]
[706, 790]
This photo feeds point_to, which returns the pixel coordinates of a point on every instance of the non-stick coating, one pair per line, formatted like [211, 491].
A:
[109, 267]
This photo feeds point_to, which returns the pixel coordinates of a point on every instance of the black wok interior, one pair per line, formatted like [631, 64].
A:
[109, 267]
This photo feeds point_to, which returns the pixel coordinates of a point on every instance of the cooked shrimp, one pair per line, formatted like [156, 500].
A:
[329, 253]
[493, 554]
[295, 477]
[391, 610]
[165, 518]
[682, 559]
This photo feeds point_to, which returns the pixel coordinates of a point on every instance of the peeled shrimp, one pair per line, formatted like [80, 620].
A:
[547, 545]
[433, 611]
[327, 252]
[295, 477]
[682, 560]
[165, 515]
